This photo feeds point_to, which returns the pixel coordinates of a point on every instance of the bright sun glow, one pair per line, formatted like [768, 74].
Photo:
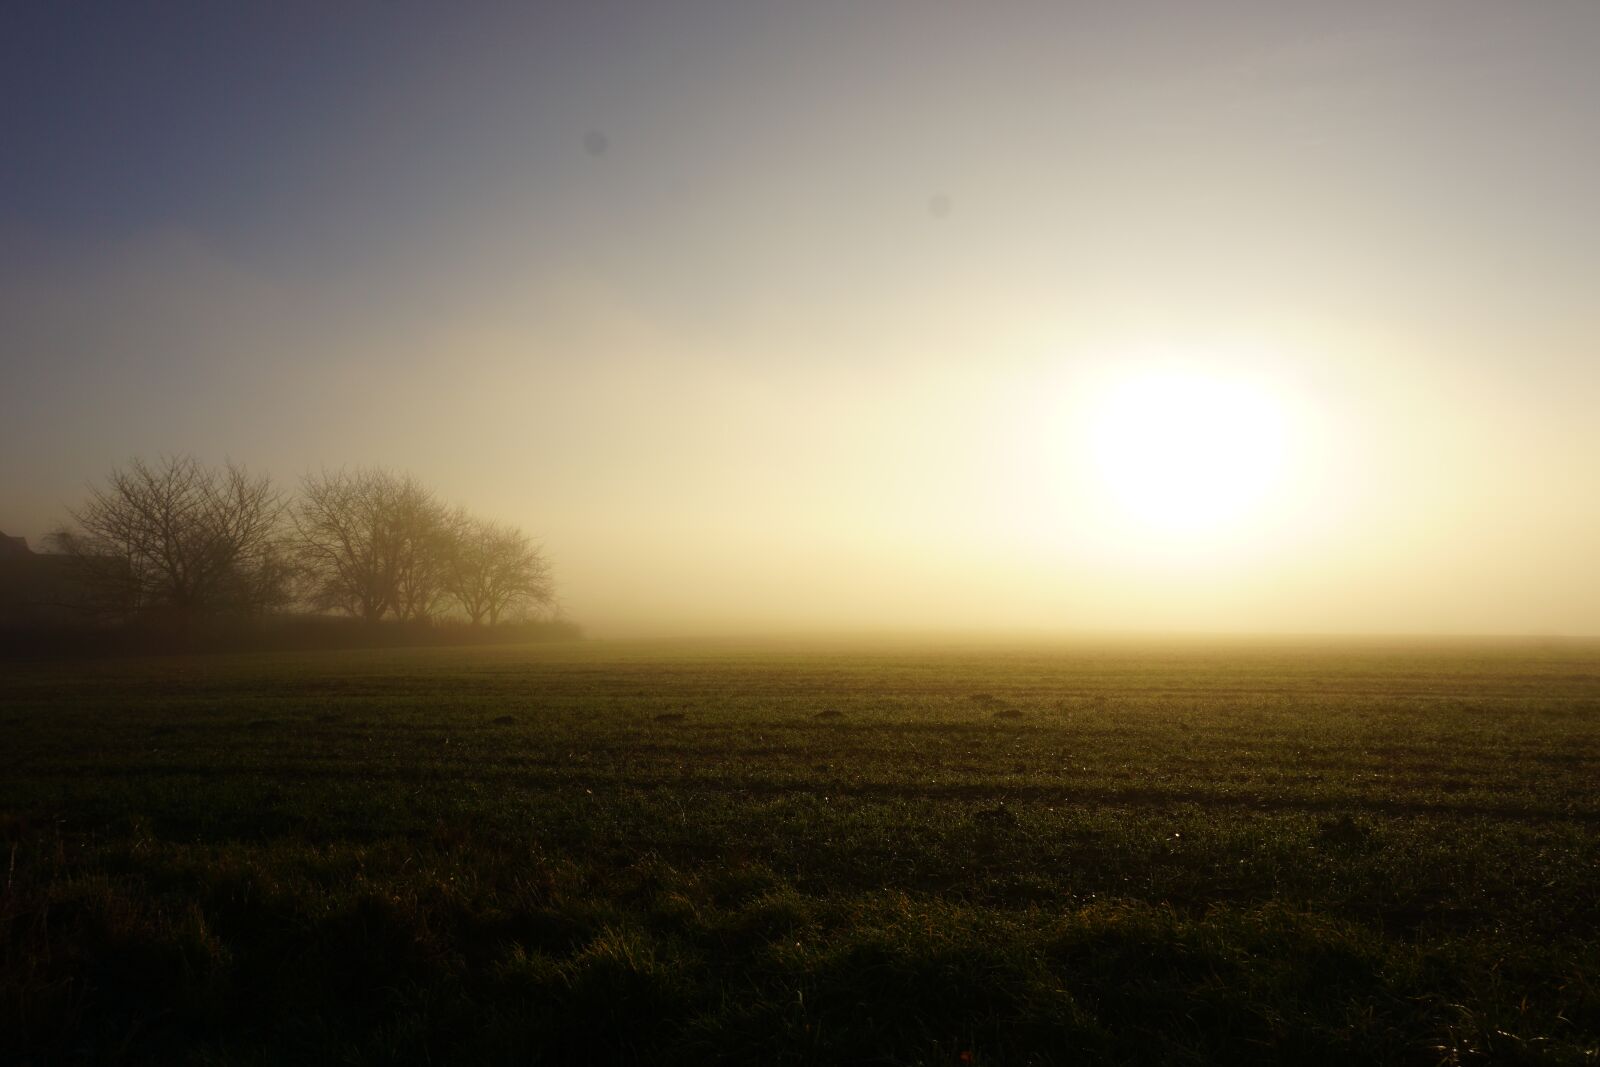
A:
[1187, 453]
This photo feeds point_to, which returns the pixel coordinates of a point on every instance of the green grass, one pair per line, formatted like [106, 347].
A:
[1103, 852]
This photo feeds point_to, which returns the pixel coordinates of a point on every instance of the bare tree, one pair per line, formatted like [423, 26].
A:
[496, 570]
[342, 543]
[470, 570]
[422, 545]
[522, 578]
[373, 543]
[181, 539]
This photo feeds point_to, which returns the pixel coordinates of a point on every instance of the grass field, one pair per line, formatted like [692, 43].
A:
[1103, 852]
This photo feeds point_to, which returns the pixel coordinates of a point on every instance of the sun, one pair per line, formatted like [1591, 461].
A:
[1187, 453]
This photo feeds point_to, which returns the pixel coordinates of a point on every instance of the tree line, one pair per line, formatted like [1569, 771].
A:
[181, 540]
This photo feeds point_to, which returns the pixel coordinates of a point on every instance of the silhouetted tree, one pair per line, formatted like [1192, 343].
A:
[372, 543]
[342, 539]
[181, 539]
[521, 577]
[496, 570]
[422, 546]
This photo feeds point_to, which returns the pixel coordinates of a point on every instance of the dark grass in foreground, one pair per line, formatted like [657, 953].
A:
[1106, 852]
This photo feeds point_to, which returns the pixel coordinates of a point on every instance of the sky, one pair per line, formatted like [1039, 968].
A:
[1235, 316]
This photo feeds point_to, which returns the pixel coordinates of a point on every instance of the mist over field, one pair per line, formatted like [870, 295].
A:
[814, 318]
[896, 533]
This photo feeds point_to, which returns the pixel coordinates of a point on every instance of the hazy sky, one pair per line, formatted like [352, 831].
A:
[1171, 315]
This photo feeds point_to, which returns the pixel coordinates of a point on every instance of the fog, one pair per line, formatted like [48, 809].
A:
[812, 320]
